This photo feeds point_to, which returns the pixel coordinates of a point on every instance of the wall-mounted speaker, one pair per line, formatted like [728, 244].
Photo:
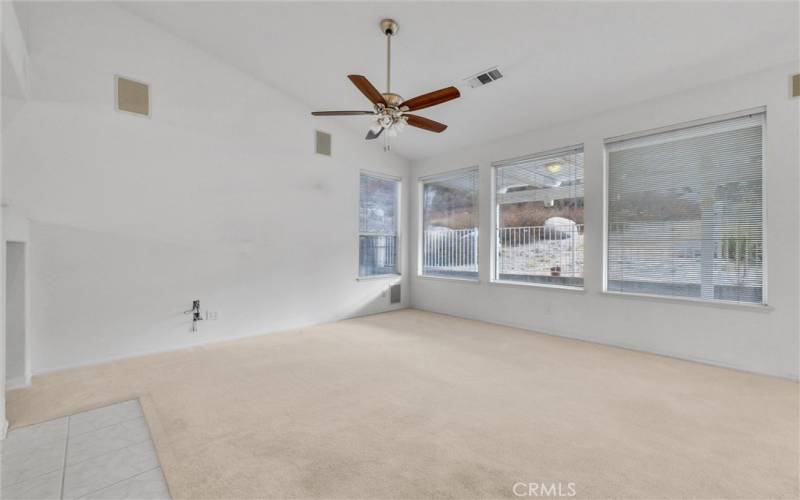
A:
[323, 143]
[132, 96]
[796, 85]
[394, 294]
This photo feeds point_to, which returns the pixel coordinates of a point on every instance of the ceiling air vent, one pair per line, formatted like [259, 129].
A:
[484, 77]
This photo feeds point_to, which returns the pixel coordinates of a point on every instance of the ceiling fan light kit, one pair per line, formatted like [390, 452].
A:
[390, 110]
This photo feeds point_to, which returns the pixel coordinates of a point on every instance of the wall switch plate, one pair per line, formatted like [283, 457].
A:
[212, 315]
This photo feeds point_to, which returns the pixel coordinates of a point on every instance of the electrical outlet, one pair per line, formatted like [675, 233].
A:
[212, 315]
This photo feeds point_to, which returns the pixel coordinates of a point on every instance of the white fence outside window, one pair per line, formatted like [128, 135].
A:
[552, 250]
[450, 250]
[533, 250]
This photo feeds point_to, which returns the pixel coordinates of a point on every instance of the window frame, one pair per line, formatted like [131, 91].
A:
[495, 214]
[398, 225]
[421, 181]
[764, 304]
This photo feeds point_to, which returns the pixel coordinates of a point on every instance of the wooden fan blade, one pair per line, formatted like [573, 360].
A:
[367, 89]
[373, 135]
[432, 98]
[425, 123]
[341, 113]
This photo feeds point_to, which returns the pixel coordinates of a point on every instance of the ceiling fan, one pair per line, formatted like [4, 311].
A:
[389, 109]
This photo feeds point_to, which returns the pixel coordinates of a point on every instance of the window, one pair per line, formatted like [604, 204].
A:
[450, 225]
[685, 212]
[378, 216]
[539, 219]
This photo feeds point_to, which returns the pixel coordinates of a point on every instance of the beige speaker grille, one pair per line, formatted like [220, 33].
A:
[132, 96]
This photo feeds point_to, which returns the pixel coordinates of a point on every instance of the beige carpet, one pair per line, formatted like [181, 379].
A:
[415, 405]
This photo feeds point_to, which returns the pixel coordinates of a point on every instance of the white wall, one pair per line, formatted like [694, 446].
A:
[16, 232]
[16, 86]
[762, 340]
[15, 314]
[218, 196]
[16, 77]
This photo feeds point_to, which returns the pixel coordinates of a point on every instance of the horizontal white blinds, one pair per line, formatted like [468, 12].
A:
[450, 225]
[685, 212]
[544, 177]
[451, 200]
[377, 205]
[377, 214]
[539, 220]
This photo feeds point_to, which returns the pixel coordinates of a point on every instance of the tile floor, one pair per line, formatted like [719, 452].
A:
[106, 453]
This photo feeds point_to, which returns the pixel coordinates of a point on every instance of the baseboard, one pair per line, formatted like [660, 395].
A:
[139, 354]
[392, 308]
[18, 383]
[620, 345]
[789, 376]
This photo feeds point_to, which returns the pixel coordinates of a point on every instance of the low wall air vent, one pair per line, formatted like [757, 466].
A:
[484, 77]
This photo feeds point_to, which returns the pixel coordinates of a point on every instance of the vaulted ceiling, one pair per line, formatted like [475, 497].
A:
[561, 60]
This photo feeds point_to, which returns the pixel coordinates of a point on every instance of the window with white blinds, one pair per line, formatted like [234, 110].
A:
[378, 216]
[686, 212]
[450, 225]
[539, 218]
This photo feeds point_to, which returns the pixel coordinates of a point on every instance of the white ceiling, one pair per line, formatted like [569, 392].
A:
[561, 60]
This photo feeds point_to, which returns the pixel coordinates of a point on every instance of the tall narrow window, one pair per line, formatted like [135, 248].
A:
[378, 216]
[539, 219]
[685, 212]
[450, 225]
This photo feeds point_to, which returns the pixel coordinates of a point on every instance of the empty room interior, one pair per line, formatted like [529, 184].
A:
[400, 250]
